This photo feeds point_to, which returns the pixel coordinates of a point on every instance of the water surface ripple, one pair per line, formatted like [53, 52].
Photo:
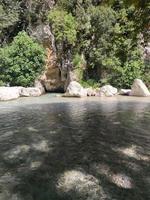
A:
[74, 150]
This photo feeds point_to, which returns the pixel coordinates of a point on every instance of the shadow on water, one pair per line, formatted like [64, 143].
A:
[75, 151]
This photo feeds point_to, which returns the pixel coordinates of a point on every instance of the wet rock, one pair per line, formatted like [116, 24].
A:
[30, 92]
[108, 91]
[78, 185]
[9, 93]
[91, 92]
[139, 89]
[125, 92]
[74, 89]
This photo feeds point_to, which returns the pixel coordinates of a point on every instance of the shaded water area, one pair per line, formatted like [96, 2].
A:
[75, 149]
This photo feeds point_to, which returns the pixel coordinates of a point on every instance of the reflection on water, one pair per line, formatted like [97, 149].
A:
[75, 150]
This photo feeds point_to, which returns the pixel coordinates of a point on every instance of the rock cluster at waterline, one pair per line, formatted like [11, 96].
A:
[108, 91]
[138, 89]
[74, 89]
[9, 93]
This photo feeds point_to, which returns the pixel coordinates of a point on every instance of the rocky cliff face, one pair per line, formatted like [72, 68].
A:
[147, 52]
[52, 77]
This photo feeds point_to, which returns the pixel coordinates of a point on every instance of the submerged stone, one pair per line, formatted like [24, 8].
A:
[76, 184]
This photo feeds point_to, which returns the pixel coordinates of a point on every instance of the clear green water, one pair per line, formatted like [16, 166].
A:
[43, 138]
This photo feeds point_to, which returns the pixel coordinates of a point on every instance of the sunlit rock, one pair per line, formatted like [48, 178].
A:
[30, 92]
[122, 180]
[77, 184]
[139, 89]
[9, 93]
[74, 89]
[125, 92]
[41, 146]
[108, 91]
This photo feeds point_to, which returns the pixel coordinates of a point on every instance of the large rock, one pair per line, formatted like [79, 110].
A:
[108, 91]
[51, 77]
[125, 92]
[9, 93]
[139, 89]
[30, 92]
[74, 89]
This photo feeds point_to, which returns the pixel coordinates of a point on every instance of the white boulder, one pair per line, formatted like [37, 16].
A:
[139, 89]
[91, 92]
[30, 92]
[9, 93]
[125, 92]
[74, 89]
[108, 91]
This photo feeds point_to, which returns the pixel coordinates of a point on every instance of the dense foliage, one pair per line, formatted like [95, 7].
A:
[108, 34]
[21, 62]
[18, 15]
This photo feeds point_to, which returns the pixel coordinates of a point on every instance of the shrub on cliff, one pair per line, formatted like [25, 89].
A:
[63, 25]
[22, 61]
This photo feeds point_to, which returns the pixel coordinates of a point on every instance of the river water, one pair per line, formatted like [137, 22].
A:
[54, 148]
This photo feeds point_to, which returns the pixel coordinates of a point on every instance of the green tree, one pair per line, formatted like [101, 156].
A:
[63, 25]
[9, 17]
[22, 61]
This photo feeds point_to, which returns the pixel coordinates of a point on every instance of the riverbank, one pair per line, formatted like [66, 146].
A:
[75, 90]
[49, 98]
